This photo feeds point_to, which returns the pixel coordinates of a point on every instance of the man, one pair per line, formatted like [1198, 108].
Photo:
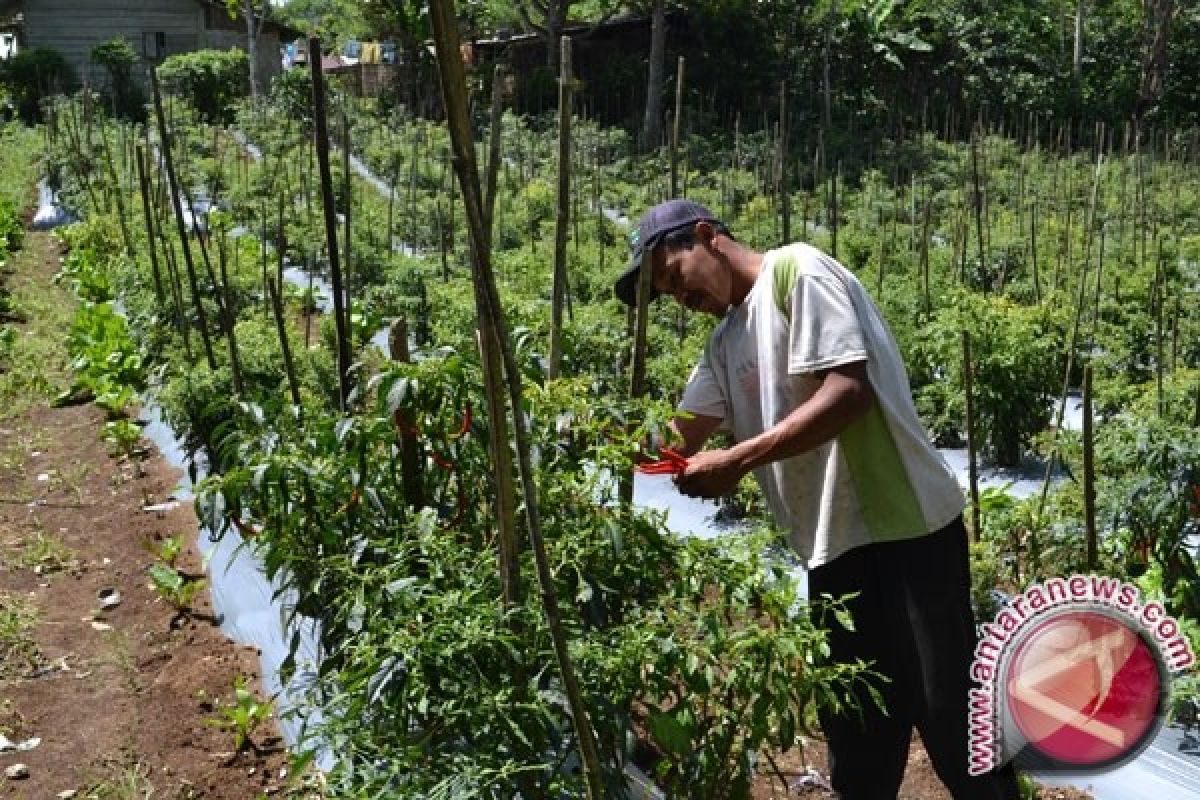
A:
[804, 373]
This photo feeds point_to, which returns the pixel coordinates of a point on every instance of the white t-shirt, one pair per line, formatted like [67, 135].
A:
[880, 479]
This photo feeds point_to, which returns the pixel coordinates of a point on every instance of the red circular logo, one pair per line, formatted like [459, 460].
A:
[1085, 689]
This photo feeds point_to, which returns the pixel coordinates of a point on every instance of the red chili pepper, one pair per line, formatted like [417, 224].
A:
[671, 463]
[465, 428]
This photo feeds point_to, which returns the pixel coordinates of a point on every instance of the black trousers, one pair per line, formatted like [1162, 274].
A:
[912, 618]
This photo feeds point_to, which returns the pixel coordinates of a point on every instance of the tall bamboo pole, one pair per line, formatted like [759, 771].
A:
[1089, 471]
[562, 217]
[969, 422]
[321, 140]
[347, 247]
[174, 188]
[508, 539]
[285, 347]
[148, 213]
[454, 93]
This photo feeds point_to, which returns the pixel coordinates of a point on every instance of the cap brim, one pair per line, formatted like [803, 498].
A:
[626, 285]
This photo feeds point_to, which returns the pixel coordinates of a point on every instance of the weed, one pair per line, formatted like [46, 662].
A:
[130, 783]
[243, 716]
[166, 550]
[117, 653]
[124, 439]
[44, 554]
[176, 588]
[18, 618]
[72, 479]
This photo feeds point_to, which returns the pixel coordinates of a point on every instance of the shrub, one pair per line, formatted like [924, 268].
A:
[32, 75]
[211, 80]
[118, 58]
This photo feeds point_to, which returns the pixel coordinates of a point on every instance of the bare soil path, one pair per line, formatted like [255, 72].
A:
[122, 700]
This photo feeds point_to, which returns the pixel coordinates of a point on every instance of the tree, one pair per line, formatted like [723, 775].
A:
[255, 13]
[331, 20]
[118, 59]
[1159, 15]
[652, 120]
[407, 21]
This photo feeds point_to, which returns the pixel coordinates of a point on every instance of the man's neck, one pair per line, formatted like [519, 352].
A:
[746, 264]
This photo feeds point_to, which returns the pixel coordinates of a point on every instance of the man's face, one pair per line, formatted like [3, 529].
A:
[694, 276]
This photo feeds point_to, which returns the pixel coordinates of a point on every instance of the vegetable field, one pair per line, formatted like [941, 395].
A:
[391, 348]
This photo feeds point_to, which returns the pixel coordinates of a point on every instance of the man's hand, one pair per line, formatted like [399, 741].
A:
[710, 473]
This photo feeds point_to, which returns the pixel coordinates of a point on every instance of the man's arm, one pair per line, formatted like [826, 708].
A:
[844, 395]
[694, 430]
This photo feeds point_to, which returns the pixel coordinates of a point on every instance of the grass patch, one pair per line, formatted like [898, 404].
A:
[131, 782]
[36, 360]
[18, 651]
[45, 553]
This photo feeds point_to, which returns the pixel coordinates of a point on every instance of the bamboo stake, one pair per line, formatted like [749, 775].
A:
[681, 319]
[118, 196]
[1089, 471]
[453, 80]
[785, 204]
[174, 189]
[321, 141]
[285, 348]
[977, 199]
[229, 318]
[562, 217]
[1071, 340]
[347, 245]
[499, 76]
[508, 539]
[143, 185]
[410, 450]
[833, 207]
[969, 421]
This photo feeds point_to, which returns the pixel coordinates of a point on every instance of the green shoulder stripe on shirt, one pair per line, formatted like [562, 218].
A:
[886, 498]
[784, 274]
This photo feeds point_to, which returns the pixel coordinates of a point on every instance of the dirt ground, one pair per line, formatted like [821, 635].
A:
[804, 773]
[122, 703]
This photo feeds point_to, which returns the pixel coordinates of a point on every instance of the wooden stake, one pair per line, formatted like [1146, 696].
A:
[174, 189]
[969, 422]
[562, 217]
[453, 80]
[1089, 471]
[321, 142]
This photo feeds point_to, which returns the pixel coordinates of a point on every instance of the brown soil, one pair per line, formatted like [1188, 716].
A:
[803, 773]
[122, 700]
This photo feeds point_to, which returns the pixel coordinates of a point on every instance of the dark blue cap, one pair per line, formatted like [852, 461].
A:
[658, 222]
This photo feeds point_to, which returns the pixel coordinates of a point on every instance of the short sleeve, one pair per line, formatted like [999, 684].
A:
[825, 330]
[702, 395]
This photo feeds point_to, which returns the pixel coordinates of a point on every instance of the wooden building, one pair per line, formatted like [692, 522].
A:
[155, 28]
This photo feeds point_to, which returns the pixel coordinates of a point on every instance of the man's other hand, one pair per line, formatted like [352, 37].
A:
[710, 473]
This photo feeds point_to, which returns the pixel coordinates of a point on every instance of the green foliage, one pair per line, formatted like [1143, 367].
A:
[33, 75]
[118, 58]
[173, 586]
[123, 437]
[1018, 355]
[242, 716]
[11, 230]
[108, 367]
[408, 599]
[166, 550]
[210, 80]
[1150, 472]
